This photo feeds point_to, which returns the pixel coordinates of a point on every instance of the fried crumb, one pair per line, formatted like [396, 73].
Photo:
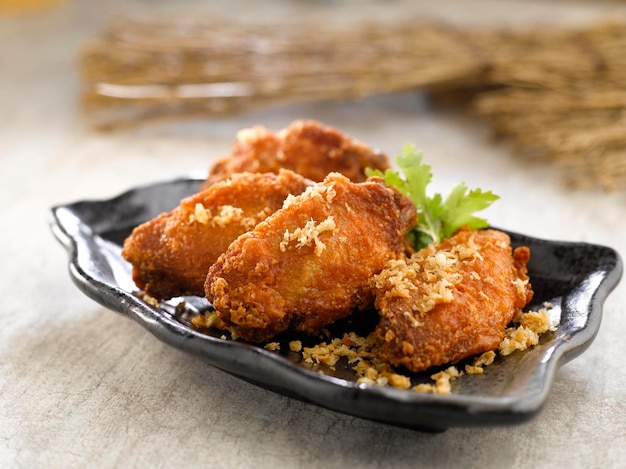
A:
[423, 387]
[308, 235]
[526, 334]
[207, 320]
[537, 321]
[227, 214]
[200, 214]
[147, 298]
[360, 352]
[442, 382]
[295, 346]
[324, 192]
[429, 273]
[479, 362]
[518, 338]
[399, 381]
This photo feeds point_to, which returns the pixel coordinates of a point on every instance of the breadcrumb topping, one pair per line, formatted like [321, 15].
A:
[207, 321]
[482, 360]
[227, 214]
[200, 214]
[147, 298]
[295, 346]
[325, 192]
[531, 325]
[308, 235]
[443, 379]
[521, 285]
[430, 275]
[361, 353]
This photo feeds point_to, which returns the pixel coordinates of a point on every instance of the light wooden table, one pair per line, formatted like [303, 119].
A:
[82, 387]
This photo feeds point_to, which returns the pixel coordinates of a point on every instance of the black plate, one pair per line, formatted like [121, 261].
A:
[575, 277]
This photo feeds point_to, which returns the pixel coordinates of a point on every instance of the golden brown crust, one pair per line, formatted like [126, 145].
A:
[305, 147]
[309, 264]
[452, 301]
[172, 253]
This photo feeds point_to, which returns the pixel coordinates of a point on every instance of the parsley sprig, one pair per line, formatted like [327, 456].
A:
[439, 218]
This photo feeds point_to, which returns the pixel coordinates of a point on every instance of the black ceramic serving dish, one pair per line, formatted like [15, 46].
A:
[574, 277]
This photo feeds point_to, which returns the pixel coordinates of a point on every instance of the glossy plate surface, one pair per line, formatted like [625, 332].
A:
[574, 277]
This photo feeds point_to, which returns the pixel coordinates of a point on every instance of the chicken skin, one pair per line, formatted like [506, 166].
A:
[172, 253]
[452, 301]
[305, 147]
[310, 263]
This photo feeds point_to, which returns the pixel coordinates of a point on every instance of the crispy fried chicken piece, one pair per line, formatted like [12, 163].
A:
[172, 253]
[309, 263]
[449, 302]
[306, 147]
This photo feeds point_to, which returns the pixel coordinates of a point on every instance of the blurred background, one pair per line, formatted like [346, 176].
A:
[545, 78]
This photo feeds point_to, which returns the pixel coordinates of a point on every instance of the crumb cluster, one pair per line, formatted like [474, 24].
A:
[362, 356]
[309, 235]
[226, 214]
[525, 331]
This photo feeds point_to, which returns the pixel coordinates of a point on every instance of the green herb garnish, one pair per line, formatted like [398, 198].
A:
[438, 218]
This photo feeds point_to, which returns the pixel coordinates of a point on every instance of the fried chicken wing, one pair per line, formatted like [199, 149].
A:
[172, 253]
[449, 302]
[309, 263]
[305, 147]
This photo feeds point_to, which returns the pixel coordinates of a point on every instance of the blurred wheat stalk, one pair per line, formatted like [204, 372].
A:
[558, 95]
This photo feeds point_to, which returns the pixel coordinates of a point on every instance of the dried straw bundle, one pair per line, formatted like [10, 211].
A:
[557, 94]
[159, 68]
[561, 98]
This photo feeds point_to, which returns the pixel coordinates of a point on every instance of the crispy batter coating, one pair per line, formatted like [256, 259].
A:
[310, 263]
[172, 253]
[306, 147]
[450, 302]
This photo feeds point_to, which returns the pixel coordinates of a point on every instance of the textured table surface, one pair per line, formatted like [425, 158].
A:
[80, 386]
